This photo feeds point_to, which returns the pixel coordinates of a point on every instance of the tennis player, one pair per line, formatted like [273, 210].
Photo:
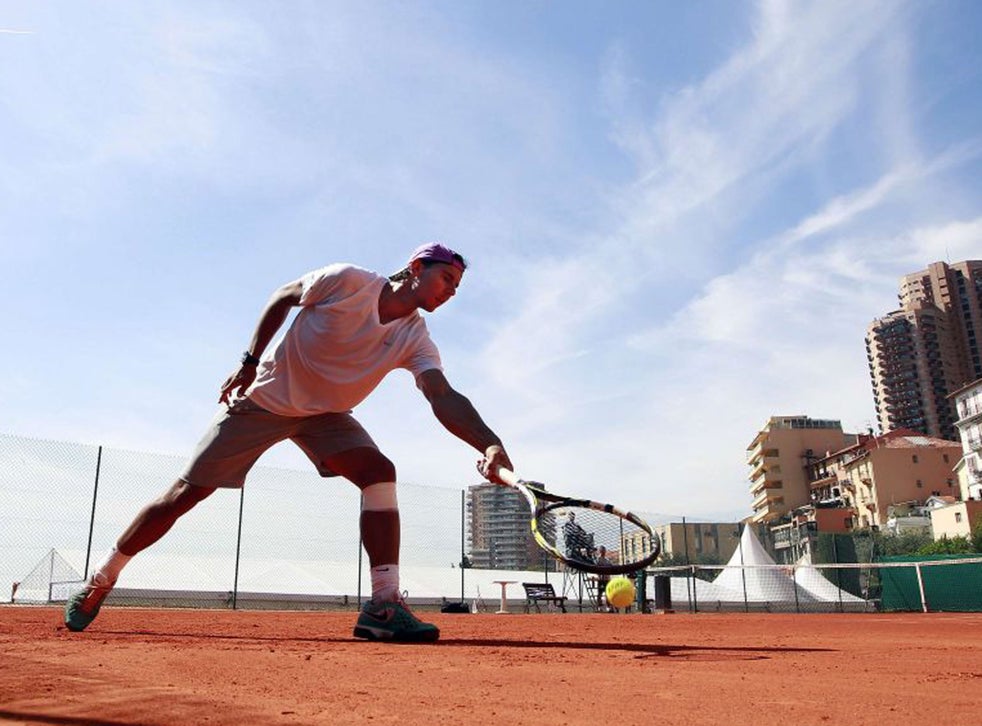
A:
[354, 327]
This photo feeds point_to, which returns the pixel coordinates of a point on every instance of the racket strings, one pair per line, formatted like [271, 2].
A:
[593, 539]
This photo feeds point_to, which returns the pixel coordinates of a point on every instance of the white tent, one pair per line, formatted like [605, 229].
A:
[54, 567]
[755, 577]
[812, 580]
[751, 577]
[700, 591]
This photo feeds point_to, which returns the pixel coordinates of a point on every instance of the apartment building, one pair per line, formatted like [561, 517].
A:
[797, 535]
[879, 472]
[927, 348]
[957, 290]
[635, 546]
[958, 519]
[499, 535]
[913, 365]
[699, 541]
[778, 457]
[968, 407]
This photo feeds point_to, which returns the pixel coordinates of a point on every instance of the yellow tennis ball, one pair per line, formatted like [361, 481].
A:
[620, 592]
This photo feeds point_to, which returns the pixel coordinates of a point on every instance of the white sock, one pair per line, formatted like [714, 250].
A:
[385, 583]
[110, 567]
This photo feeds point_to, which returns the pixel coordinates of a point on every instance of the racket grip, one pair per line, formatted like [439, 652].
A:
[507, 476]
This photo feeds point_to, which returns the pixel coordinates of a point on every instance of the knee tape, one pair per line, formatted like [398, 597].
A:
[379, 497]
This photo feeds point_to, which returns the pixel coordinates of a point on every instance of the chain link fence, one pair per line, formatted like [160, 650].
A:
[287, 539]
[290, 540]
[938, 584]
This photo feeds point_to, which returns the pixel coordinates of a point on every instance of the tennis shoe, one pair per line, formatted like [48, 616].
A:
[393, 621]
[83, 606]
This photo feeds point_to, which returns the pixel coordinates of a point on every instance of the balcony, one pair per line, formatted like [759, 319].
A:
[767, 499]
[967, 413]
[765, 484]
[823, 482]
[766, 467]
[782, 536]
[758, 450]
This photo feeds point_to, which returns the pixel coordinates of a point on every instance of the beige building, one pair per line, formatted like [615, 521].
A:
[928, 348]
[699, 541]
[956, 520]
[968, 407]
[899, 466]
[636, 546]
[778, 457]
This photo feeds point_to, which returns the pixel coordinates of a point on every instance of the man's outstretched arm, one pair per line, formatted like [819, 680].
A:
[459, 417]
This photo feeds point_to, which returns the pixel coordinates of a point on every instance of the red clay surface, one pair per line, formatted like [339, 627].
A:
[138, 666]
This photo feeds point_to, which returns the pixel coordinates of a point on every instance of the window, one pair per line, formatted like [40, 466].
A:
[958, 517]
[945, 458]
[914, 457]
[920, 484]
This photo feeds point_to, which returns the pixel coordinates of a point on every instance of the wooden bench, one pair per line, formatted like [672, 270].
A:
[536, 591]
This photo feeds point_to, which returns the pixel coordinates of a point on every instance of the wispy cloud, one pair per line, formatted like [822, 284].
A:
[658, 265]
[727, 325]
[713, 151]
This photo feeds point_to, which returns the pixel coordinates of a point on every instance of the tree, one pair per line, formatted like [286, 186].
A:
[870, 545]
[947, 546]
[977, 535]
[907, 543]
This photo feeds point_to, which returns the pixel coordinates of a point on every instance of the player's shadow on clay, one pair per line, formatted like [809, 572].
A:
[40, 718]
[643, 650]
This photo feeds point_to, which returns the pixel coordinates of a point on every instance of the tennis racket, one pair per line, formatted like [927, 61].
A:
[586, 535]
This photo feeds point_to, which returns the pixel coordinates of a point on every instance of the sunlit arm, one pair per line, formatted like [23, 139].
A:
[271, 319]
[273, 315]
[459, 417]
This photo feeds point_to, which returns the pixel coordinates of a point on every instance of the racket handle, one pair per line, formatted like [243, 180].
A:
[507, 476]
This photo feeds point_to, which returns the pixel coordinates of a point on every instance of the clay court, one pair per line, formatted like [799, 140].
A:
[136, 666]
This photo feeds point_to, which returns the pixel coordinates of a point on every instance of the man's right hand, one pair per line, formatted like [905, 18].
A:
[494, 456]
[237, 383]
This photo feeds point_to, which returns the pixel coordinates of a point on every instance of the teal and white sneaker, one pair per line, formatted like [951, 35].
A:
[393, 621]
[83, 606]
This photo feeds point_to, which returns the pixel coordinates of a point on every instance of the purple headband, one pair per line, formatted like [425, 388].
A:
[435, 252]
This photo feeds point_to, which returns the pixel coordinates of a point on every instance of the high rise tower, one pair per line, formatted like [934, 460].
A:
[499, 532]
[957, 290]
[927, 349]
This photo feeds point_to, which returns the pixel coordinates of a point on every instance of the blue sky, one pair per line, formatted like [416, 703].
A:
[680, 216]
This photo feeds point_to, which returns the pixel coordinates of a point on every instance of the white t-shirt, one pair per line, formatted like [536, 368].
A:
[336, 351]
